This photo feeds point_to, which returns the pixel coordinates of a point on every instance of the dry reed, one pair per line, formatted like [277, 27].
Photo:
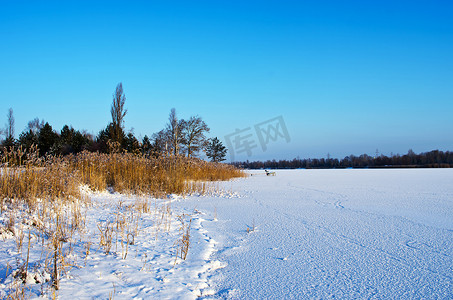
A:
[45, 195]
[139, 174]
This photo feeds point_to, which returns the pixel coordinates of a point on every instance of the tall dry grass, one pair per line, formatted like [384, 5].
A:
[26, 176]
[43, 196]
[139, 174]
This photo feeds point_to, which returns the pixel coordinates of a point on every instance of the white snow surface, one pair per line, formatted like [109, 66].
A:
[302, 234]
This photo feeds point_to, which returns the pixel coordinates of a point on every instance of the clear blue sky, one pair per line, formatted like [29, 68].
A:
[346, 76]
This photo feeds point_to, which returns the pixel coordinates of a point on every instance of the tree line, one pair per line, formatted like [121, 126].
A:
[432, 159]
[179, 137]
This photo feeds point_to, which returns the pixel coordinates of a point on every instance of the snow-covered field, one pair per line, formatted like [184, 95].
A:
[300, 234]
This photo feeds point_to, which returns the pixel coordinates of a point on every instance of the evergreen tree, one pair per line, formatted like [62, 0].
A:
[72, 141]
[105, 141]
[8, 142]
[130, 143]
[47, 139]
[146, 145]
[65, 141]
[215, 150]
[28, 138]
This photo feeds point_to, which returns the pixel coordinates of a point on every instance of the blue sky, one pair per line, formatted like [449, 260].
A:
[346, 76]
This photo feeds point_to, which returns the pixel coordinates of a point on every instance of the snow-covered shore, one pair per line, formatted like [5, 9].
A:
[299, 234]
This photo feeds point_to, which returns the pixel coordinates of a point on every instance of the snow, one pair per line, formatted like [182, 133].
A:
[300, 234]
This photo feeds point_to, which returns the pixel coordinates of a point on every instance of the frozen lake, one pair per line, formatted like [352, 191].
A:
[335, 233]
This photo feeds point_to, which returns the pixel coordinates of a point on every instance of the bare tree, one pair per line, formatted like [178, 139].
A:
[35, 125]
[160, 143]
[194, 137]
[174, 128]
[118, 113]
[10, 125]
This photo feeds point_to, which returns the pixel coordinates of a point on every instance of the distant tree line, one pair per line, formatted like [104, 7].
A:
[432, 159]
[179, 137]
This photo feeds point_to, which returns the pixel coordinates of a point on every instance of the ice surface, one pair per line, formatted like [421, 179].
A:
[336, 234]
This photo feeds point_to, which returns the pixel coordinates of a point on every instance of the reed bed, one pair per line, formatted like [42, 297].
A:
[41, 198]
[140, 174]
[26, 176]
